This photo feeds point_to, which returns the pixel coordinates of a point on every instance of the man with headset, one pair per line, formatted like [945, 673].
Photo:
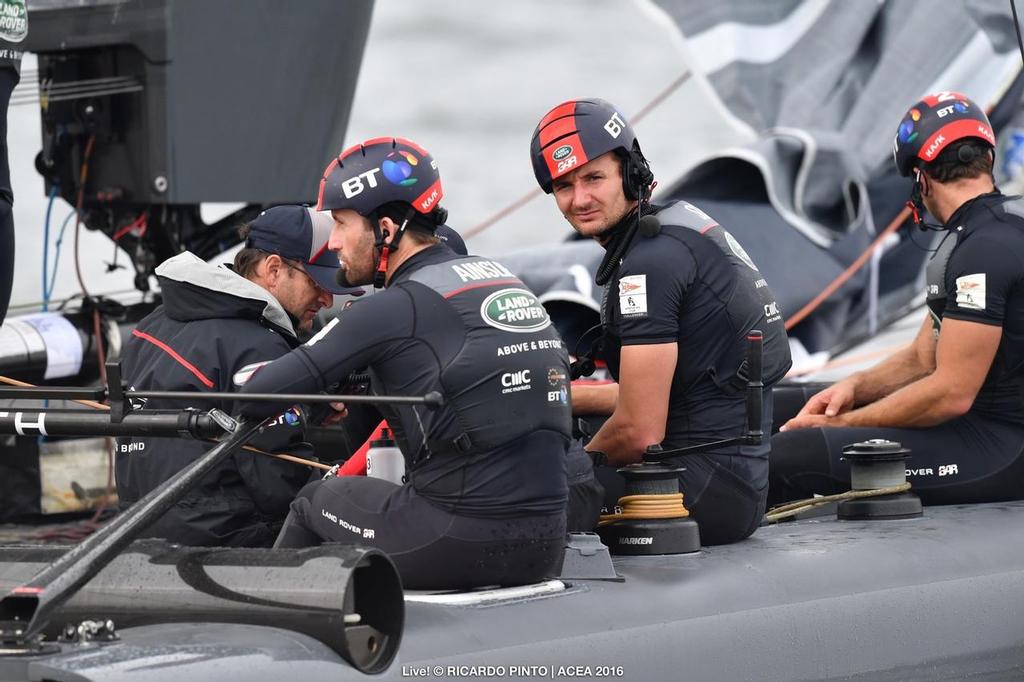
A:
[955, 395]
[681, 296]
[484, 501]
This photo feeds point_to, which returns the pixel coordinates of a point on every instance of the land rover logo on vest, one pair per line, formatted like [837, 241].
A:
[514, 310]
[562, 152]
[13, 20]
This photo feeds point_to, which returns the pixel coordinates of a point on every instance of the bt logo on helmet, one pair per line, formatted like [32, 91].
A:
[615, 125]
[355, 186]
[397, 168]
[958, 107]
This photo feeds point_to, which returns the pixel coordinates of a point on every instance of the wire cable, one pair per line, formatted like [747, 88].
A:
[849, 272]
[83, 175]
[48, 294]
[793, 508]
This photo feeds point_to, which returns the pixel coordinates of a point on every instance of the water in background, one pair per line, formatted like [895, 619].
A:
[468, 81]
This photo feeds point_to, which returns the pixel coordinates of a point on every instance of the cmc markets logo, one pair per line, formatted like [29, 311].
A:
[906, 132]
[562, 152]
[513, 382]
[514, 310]
[398, 167]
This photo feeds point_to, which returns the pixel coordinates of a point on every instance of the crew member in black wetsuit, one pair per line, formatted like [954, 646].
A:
[680, 297]
[955, 395]
[13, 29]
[486, 491]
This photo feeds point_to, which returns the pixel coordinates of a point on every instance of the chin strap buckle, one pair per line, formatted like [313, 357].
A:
[382, 267]
[914, 212]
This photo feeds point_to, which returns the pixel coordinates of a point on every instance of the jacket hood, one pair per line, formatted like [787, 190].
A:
[196, 290]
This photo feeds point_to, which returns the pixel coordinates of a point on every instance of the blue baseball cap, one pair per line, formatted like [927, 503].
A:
[300, 233]
[451, 239]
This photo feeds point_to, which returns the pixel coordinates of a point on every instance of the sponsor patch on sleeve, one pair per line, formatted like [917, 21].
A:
[970, 291]
[633, 296]
[243, 375]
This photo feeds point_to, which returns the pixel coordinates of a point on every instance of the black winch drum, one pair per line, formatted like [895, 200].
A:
[633, 537]
[878, 463]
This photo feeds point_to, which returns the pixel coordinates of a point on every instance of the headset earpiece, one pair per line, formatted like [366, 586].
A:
[636, 174]
[966, 153]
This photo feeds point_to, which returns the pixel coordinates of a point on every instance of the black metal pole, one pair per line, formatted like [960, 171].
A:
[755, 387]
[32, 603]
[432, 399]
[159, 423]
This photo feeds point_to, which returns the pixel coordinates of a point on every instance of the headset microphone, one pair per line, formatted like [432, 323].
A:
[649, 226]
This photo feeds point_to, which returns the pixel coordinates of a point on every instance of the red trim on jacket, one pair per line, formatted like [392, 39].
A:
[170, 351]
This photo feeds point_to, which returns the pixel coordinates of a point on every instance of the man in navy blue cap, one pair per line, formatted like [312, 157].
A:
[286, 253]
[216, 326]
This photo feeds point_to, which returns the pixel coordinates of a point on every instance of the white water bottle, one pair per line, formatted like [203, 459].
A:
[384, 459]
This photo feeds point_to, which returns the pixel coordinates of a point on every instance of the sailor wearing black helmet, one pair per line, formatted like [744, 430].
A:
[486, 483]
[955, 395]
[680, 297]
[214, 328]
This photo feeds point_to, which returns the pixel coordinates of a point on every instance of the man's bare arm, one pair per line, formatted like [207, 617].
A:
[598, 399]
[963, 358]
[641, 411]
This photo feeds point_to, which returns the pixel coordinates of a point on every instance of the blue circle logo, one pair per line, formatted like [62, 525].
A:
[397, 168]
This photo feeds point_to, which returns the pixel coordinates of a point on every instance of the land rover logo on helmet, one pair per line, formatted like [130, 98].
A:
[562, 152]
[514, 310]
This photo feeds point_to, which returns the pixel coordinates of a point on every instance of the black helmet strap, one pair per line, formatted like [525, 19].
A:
[383, 248]
[622, 235]
[916, 205]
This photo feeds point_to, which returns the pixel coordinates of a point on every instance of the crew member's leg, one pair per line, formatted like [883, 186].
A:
[8, 79]
[585, 492]
[432, 548]
[968, 459]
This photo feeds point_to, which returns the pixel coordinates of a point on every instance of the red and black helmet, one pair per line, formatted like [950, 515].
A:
[366, 176]
[934, 123]
[581, 130]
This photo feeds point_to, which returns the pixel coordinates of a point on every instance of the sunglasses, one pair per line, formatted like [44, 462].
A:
[298, 268]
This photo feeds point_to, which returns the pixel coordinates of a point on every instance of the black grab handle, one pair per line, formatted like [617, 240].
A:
[755, 387]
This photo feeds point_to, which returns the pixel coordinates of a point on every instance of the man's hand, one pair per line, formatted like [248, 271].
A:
[813, 421]
[339, 413]
[834, 400]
